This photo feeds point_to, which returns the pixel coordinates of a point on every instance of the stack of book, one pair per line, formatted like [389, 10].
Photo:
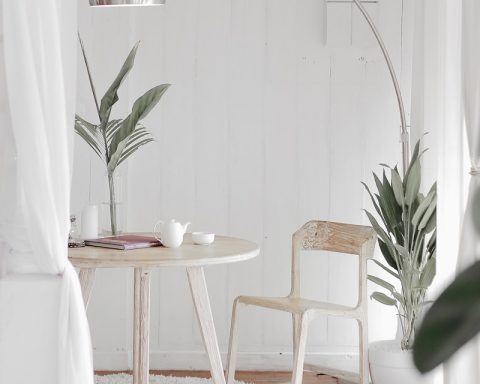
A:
[124, 242]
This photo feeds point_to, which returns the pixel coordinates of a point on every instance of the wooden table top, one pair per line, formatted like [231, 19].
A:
[223, 250]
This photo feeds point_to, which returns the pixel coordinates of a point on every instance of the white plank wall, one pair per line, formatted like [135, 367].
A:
[277, 110]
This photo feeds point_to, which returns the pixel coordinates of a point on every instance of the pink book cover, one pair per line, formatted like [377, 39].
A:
[124, 242]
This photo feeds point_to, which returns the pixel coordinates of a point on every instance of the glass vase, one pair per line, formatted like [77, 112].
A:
[112, 215]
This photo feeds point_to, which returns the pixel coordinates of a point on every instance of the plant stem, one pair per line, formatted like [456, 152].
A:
[113, 207]
[105, 142]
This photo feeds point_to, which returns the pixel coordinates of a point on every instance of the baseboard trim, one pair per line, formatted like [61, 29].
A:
[247, 361]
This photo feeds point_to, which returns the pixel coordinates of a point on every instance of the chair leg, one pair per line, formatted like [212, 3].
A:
[296, 324]
[300, 343]
[233, 344]
[363, 346]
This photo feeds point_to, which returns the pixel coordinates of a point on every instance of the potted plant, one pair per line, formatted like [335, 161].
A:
[407, 238]
[113, 141]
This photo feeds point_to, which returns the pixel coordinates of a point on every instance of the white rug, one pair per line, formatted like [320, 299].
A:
[123, 378]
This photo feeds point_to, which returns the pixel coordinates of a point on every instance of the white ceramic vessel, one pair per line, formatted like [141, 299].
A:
[90, 222]
[202, 238]
[170, 233]
[389, 364]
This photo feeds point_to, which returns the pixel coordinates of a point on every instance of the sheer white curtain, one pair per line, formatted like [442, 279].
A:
[40, 62]
[465, 366]
[437, 110]
[449, 86]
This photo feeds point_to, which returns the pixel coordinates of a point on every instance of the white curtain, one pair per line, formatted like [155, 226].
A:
[448, 86]
[40, 62]
[465, 366]
[437, 110]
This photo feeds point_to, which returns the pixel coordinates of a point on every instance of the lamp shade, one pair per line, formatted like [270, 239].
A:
[131, 3]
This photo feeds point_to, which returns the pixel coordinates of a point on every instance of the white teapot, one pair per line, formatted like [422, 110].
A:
[170, 233]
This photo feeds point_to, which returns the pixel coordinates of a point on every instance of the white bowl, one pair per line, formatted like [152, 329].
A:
[202, 238]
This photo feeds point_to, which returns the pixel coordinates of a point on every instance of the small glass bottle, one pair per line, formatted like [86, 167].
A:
[74, 240]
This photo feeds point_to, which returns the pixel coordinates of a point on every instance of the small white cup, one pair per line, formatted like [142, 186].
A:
[202, 238]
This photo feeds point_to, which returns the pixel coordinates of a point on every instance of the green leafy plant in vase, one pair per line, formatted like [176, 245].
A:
[407, 239]
[114, 141]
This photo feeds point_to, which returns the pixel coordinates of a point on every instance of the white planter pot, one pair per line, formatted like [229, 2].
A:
[390, 365]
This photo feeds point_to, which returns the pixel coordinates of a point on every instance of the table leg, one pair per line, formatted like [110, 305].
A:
[86, 277]
[141, 326]
[198, 288]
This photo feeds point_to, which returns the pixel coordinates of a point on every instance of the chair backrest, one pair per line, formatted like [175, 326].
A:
[334, 237]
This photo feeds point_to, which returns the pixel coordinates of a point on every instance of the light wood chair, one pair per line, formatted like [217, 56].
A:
[315, 236]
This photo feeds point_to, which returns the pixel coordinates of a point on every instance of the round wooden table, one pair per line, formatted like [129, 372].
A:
[193, 258]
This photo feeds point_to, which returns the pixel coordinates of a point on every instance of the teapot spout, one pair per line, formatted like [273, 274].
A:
[185, 226]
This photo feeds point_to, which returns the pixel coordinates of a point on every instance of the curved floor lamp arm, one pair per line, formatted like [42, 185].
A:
[405, 138]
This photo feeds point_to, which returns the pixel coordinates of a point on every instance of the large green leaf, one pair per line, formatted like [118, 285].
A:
[111, 96]
[377, 208]
[452, 320]
[382, 298]
[428, 214]
[381, 282]
[390, 206]
[380, 232]
[428, 273]
[394, 274]
[145, 103]
[388, 254]
[399, 298]
[413, 183]
[413, 159]
[422, 208]
[378, 183]
[142, 106]
[432, 243]
[432, 223]
[397, 186]
[387, 213]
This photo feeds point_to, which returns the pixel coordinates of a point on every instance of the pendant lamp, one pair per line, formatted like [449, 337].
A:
[125, 3]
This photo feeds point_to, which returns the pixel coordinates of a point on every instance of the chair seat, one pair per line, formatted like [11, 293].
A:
[300, 305]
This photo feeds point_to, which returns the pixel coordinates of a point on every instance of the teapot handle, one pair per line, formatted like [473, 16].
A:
[155, 231]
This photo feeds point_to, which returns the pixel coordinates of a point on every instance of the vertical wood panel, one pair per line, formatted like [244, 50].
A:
[281, 166]
[211, 135]
[346, 164]
[246, 158]
[177, 165]
[313, 146]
